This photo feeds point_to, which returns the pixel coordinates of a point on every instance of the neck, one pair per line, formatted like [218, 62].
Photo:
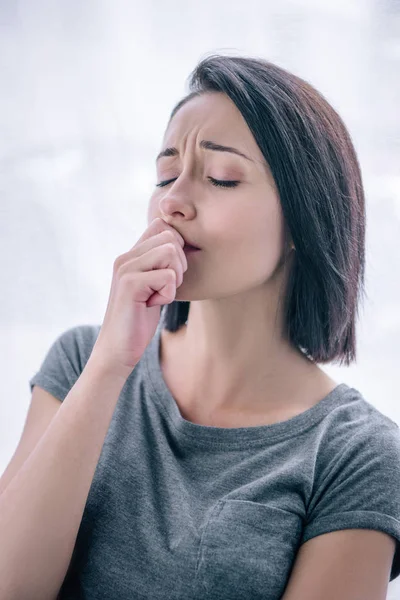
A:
[228, 362]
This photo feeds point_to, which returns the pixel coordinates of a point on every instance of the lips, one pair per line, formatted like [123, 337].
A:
[190, 249]
[189, 244]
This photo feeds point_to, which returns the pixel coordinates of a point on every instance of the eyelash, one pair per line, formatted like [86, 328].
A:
[215, 182]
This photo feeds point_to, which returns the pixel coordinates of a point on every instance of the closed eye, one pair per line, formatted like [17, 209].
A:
[216, 182]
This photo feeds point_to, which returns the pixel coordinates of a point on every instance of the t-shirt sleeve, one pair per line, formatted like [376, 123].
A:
[65, 360]
[359, 487]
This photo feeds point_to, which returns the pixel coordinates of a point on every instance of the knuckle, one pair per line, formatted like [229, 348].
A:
[171, 248]
[169, 234]
[117, 263]
[125, 268]
[172, 275]
[127, 278]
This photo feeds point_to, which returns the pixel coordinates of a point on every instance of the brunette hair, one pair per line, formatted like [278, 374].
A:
[317, 174]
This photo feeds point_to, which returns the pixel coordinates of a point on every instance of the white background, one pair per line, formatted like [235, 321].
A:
[86, 89]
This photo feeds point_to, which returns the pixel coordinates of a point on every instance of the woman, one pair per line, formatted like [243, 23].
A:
[233, 466]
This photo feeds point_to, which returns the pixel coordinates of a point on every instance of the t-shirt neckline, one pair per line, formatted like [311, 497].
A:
[236, 436]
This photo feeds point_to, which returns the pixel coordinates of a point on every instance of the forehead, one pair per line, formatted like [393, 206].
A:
[215, 117]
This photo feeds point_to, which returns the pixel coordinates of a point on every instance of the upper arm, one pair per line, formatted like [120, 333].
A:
[41, 411]
[349, 564]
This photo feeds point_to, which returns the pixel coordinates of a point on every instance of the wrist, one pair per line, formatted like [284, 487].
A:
[103, 367]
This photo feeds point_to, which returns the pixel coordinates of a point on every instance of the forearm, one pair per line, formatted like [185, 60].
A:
[41, 509]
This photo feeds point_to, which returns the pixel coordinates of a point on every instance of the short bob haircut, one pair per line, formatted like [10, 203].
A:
[318, 178]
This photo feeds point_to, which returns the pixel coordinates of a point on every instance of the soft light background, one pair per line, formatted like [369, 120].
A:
[86, 91]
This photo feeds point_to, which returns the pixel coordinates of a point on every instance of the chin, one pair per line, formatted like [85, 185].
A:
[186, 293]
[185, 296]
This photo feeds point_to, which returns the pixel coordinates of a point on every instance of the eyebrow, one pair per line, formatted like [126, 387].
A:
[206, 145]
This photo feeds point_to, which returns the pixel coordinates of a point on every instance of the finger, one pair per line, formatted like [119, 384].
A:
[159, 257]
[157, 226]
[164, 237]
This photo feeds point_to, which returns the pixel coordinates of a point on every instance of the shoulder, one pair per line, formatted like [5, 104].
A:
[82, 333]
[70, 350]
[357, 437]
[78, 341]
[356, 482]
[356, 420]
[65, 359]
[357, 461]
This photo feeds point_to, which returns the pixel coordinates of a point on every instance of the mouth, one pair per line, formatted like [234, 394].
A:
[188, 249]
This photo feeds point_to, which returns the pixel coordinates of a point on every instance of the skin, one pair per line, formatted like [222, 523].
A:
[230, 362]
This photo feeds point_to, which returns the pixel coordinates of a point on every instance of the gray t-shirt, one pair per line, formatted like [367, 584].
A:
[181, 511]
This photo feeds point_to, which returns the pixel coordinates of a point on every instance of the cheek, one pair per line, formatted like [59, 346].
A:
[256, 241]
[260, 229]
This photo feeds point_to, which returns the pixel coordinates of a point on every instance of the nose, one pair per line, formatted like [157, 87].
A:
[176, 204]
